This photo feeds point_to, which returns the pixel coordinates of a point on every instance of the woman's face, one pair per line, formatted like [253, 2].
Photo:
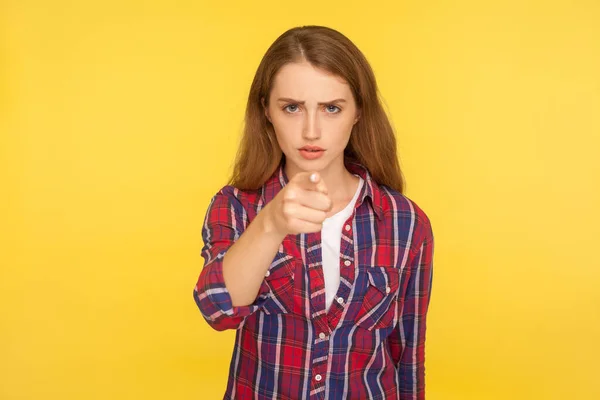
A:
[312, 112]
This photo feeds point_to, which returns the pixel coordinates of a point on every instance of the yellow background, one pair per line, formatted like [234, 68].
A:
[120, 120]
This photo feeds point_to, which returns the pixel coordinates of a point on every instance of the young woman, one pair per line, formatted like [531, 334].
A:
[312, 253]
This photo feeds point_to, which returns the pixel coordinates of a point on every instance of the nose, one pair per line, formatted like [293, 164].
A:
[311, 129]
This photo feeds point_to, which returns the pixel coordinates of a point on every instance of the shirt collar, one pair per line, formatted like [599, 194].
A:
[370, 189]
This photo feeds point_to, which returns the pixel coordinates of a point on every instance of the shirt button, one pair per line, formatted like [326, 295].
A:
[340, 300]
[322, 335]
[348, 228]
[318, 377]
[347, 263]
[387, 289]
[268, 273]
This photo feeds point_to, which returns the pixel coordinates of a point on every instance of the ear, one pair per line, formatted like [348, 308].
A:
[265, 108]
[357, 117]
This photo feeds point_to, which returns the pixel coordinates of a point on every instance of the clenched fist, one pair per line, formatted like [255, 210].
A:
[300, 207]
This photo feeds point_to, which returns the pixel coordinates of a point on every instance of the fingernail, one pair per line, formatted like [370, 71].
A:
[313, 177]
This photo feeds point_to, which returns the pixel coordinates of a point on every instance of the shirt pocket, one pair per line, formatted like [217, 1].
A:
[280, 280]
[379, 308]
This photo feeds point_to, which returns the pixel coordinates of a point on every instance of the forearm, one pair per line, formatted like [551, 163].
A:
[248, 259]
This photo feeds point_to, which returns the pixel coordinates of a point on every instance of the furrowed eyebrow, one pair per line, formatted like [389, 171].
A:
[288, 100]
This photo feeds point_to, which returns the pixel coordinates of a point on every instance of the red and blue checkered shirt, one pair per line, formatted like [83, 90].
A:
[370, 344]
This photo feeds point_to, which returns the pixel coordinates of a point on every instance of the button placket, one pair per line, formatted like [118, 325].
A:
[348, 271]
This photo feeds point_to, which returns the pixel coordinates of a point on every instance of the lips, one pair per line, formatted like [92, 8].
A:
[311, 152]
[312, 148]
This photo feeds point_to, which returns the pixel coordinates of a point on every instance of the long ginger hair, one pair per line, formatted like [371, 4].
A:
[372, 140]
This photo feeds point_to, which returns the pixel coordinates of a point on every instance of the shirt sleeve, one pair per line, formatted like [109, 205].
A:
[408, 339]
[225, 221]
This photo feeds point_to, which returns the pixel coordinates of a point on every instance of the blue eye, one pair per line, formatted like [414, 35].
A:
[293, 108]
[287, 108]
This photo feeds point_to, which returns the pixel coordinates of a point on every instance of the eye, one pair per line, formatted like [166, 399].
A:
[331, 109]
[291, 108]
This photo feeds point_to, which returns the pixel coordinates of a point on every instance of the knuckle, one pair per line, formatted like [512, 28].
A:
[288, 209]
[290, 194]
[294, 226]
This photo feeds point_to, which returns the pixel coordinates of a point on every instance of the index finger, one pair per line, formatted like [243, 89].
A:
[315, 178]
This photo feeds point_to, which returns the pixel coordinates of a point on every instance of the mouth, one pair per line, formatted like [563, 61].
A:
[311, 152]
[311, 149]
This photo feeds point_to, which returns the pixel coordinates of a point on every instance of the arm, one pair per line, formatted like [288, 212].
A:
[231, 285]
[410, 331]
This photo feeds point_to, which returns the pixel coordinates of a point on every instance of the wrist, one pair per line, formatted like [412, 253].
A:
[268, 226]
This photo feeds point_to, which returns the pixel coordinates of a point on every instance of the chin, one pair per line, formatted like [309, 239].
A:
[303, 165]
[314, 165]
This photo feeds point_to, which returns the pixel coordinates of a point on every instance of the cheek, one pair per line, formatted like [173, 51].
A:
[282, 133]
[340, 131]
[286, 129]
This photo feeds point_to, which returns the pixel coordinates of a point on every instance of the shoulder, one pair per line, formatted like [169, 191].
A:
[404, 210]
[231, 208]
[231, 195]
[396, 204]
[231, 202]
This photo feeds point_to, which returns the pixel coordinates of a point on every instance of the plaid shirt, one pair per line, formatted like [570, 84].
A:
[370, 344]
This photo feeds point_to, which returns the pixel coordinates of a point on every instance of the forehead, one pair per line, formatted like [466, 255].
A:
[303, 81]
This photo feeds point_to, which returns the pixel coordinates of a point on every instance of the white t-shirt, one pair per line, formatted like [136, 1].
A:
[331, 237]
